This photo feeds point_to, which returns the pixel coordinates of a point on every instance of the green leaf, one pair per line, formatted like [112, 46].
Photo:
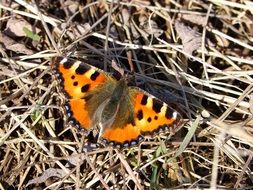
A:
[30, 34]
[153, 180]
[187, 139]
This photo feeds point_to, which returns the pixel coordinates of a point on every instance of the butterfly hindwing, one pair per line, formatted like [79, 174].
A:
[153, 115]
[150, 116]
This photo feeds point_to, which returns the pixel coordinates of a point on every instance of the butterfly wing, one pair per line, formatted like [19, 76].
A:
[139, 113]
[81, 84]
[149, 116]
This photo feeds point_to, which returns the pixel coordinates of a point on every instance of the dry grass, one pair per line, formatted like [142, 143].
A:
[211, 88]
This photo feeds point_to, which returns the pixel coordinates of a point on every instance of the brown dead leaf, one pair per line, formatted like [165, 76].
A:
[74, 159]
[196, 19]
[191, 39]
[10, 44]
[73, 32]
[71, 6]
[50, 172]
[12, 5]
[150, 27]
[15, 27]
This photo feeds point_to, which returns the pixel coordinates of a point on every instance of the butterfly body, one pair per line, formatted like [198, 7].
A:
[122, 114]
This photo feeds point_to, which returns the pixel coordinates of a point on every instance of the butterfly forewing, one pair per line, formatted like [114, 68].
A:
[78, 80]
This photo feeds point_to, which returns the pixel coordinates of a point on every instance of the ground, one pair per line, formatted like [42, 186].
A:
[195, 56]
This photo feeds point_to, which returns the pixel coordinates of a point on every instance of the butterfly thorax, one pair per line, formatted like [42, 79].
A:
[114, 109]
[112, 105]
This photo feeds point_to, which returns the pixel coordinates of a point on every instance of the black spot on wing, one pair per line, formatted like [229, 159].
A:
[94, 76]
[144, 99]
[68, 64]
[169, 113]
[85, 88]
[149, 119]
[157, 105]
[156, 117]
[81, 69]
[73, 77]
[75, 83]
[140, 114]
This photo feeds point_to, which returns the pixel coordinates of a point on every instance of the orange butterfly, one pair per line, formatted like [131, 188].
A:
[122, 114]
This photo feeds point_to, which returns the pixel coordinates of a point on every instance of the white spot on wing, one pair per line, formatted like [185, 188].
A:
[174, 115]
[65, 59]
